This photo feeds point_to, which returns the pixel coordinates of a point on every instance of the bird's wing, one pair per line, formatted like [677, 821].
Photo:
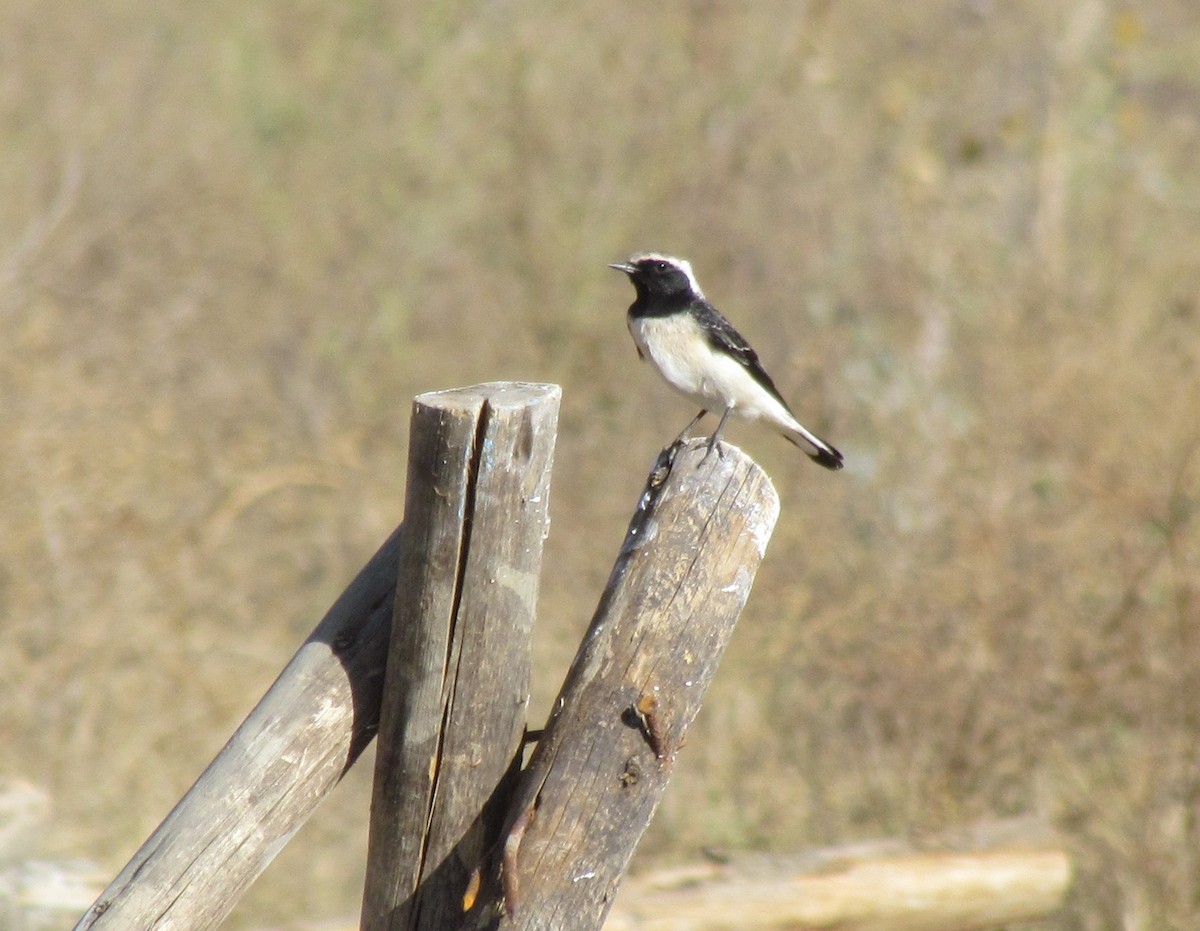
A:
[724, 338]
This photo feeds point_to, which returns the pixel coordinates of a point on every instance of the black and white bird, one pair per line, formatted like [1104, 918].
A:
[703, 357]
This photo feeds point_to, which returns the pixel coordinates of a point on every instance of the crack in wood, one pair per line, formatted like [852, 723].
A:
[453, 641]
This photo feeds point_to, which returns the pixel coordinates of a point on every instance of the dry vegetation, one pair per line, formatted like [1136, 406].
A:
[235, 239]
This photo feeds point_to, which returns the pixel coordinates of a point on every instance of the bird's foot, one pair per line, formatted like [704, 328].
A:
[713, 444]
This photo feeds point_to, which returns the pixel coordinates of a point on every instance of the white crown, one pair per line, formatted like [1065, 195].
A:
[682, 264]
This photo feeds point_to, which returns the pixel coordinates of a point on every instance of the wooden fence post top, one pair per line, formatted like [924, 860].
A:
[495, 393]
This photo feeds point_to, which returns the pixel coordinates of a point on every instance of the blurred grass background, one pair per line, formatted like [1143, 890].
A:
[237, 238]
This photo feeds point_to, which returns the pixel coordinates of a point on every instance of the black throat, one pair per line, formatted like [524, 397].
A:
[660, 303]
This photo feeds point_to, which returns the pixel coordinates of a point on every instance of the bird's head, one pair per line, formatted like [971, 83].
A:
[656, 275]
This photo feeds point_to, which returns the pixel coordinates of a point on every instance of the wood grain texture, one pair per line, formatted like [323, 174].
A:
[680, 581]
[287, 755]
[453, 716]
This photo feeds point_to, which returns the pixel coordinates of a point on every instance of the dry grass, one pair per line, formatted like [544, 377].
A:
[234, 242]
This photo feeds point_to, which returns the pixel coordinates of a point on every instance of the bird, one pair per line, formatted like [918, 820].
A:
[700, 354]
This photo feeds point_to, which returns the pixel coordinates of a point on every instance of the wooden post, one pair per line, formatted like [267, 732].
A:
[599, 771]
[285, 757]
[454, 703]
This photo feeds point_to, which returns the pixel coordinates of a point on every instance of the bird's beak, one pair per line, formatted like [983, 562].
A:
[623, 267]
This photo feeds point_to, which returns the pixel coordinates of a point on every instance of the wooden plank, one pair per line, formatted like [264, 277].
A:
[599, 771]
[987, 876]
[287, 755]
[920, 892]
[453, 717]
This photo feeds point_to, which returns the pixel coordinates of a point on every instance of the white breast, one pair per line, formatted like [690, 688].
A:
[677, 346]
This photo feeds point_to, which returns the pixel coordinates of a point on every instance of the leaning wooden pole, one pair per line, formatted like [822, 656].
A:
[603, 761]
[287, 755]
[454, 704]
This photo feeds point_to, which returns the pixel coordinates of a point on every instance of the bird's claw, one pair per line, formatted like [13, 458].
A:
[709, 451]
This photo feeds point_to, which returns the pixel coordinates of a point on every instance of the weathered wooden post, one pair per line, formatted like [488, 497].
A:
[451, 845]
[453, 717]
[600, 768]
[324, 708]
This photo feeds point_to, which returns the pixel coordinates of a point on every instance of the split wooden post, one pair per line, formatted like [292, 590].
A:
[454, 704]
[287, 755]
[600, 768]
[297, 743]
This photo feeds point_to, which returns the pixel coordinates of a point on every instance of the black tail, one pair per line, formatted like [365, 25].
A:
[830, 458]
[816, 449]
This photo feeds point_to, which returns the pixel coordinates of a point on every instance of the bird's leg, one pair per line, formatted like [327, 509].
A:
[695, 420]
[712, 440]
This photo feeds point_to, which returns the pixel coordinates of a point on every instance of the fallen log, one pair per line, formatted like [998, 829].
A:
[985, 877]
